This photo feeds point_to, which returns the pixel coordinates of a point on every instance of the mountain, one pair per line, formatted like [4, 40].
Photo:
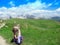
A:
[56, 18]
[36, 14]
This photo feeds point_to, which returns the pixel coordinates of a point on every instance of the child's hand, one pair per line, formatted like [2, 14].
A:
[16, 37]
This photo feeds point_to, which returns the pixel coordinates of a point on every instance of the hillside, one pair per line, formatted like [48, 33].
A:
[34, 32]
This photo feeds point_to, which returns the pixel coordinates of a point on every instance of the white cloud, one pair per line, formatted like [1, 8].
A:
[12, 3]
[35, 5]
[58, 9]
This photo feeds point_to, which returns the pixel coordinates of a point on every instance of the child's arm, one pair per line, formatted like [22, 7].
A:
[15, 37]
[19, 32]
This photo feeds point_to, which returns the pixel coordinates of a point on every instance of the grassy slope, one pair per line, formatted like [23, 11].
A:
[35, 32]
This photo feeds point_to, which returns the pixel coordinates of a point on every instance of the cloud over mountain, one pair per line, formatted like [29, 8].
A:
[36, 9]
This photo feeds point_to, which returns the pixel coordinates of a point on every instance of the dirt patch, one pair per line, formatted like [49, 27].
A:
[2, 41]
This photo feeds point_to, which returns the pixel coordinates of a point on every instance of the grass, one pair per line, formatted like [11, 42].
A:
[34, 32]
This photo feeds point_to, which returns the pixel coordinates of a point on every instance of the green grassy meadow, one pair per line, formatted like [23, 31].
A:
[34, 32]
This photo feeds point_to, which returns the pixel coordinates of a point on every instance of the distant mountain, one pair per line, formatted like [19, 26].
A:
[56, 18]
[23, 14]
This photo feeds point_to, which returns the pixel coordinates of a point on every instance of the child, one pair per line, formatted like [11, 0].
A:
[17, 34]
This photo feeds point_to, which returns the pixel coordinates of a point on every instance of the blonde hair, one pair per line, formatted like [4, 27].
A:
[17, 26]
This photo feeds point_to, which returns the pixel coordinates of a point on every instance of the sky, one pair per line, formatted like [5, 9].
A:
[42, 8]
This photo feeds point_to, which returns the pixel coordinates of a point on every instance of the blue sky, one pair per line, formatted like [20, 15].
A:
[19, 7]
[54, 3]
